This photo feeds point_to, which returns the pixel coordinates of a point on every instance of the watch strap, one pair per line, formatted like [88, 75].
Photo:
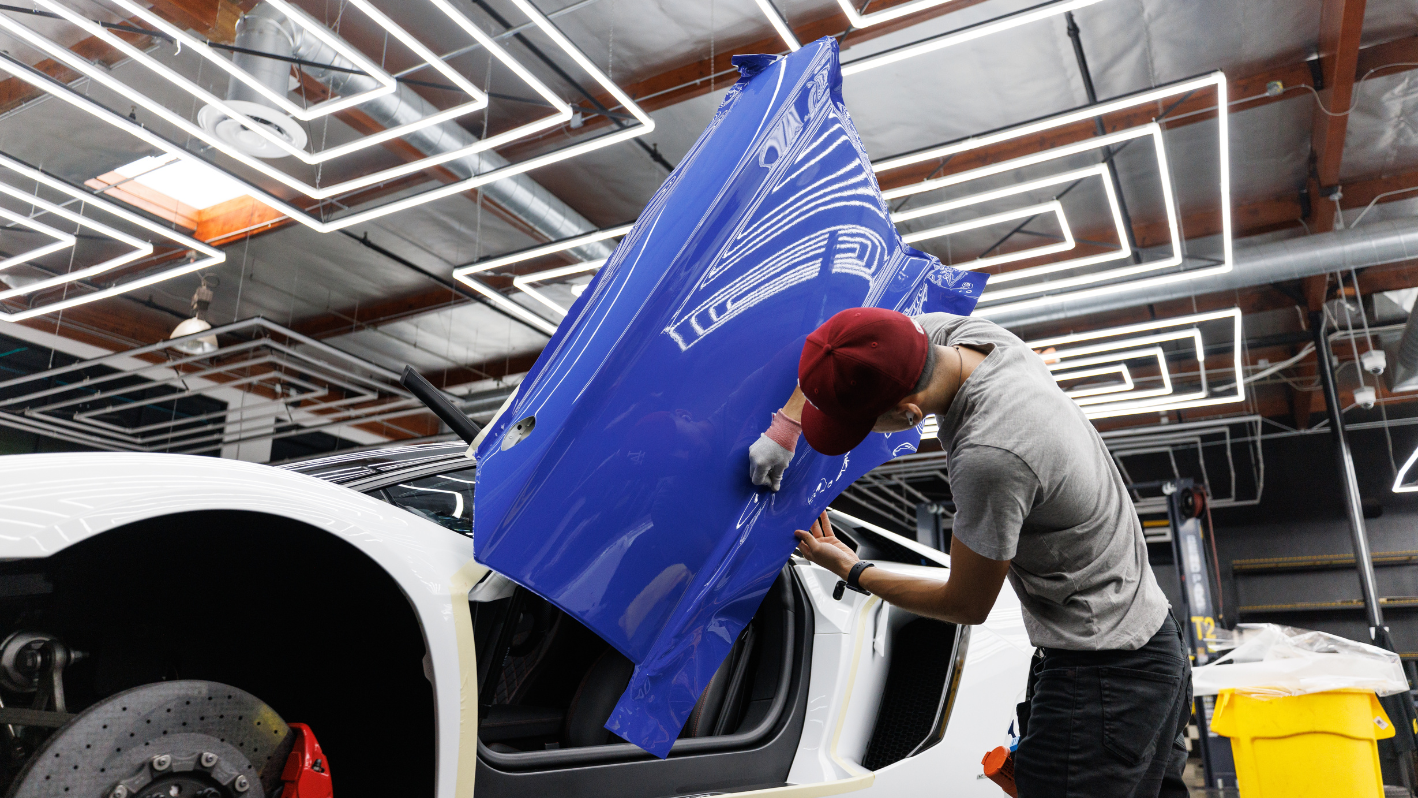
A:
[855, 575]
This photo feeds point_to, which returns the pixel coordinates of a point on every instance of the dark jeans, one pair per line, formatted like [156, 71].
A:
[1107, 723]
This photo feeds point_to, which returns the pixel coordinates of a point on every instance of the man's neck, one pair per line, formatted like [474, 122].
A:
[954, 365]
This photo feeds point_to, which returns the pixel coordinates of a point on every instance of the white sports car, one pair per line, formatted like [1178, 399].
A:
[166, 616]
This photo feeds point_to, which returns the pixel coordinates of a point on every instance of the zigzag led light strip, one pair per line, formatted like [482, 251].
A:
[1120, 369]
[211, 255]
[387, 82]
[967, 34]
[930, 426]
[465, 274]
[1173, 226]
[1027, 212]
[1398, 486]
[305, 114]
[82, 66]
[139, 249]
[1026, 16]
[63, 92]
[62, 240]
[527, 281]
[1100, 171]
[1148, 405]
[1131, 354]
[316, 111]
[1216, 80]
[785, 32]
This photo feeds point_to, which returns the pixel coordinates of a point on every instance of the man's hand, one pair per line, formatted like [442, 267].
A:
[770, 455]
[822, 547]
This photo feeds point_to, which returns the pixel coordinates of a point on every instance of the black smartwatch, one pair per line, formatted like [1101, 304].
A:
[851, 582]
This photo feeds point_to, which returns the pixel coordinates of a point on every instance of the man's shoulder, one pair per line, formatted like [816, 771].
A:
[989, 460]
[945, 329]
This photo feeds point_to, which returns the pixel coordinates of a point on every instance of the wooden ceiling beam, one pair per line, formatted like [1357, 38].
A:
[1341, 23]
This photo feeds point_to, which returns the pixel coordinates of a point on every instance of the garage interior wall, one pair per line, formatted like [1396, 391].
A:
[1302, 515]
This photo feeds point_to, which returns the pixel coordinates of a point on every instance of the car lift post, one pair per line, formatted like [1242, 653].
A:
[1189, 559]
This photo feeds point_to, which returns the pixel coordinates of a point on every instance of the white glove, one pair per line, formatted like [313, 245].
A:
[768, 457]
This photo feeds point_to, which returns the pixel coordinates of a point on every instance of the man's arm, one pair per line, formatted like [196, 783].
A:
[771, 454]
[966, 597]
[794, 407]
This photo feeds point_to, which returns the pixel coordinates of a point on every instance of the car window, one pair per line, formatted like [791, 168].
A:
[445, 499]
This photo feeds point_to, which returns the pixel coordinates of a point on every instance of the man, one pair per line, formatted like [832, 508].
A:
[1038, 499]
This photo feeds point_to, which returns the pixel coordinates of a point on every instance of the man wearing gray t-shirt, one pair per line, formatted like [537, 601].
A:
[1039, 500]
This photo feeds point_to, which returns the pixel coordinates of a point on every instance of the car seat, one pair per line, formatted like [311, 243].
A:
[608, 676]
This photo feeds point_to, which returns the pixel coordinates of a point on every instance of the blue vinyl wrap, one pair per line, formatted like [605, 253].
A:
[629, 504]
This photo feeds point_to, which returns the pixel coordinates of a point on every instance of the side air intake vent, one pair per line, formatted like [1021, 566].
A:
[920, 688]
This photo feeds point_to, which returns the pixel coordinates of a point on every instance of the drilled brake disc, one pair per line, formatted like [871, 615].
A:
[180, 739]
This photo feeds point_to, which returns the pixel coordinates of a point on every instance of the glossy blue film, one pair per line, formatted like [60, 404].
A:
[628, 504]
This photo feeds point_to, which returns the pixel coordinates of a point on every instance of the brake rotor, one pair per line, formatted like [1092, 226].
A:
[180, 739]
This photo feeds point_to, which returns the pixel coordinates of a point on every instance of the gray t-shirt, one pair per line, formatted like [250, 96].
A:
[1034, 484]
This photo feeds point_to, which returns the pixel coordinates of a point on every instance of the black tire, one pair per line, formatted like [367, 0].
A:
[208, 739]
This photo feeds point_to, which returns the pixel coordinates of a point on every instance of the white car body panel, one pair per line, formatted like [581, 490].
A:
[992, 682]
[53, 501]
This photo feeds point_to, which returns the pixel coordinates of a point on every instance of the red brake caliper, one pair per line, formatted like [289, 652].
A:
[307, 773]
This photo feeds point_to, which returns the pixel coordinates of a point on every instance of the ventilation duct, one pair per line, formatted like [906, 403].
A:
[1371, 245]
[263, 30]
[266, 29]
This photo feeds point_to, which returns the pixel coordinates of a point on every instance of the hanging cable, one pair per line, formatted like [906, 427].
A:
[1355, 102]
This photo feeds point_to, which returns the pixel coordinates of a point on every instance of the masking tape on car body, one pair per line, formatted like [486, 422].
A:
[862, 613]
[462, 582]
[862, 777]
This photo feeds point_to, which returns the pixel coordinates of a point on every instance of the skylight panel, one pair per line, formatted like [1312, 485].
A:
[188, 182]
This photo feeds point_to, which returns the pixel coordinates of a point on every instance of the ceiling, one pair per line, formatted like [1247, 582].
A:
[384, 290]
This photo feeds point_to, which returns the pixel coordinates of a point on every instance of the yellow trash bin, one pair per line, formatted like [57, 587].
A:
[1319, 744]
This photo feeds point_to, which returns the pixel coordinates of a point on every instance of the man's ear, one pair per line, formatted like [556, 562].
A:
[909, 406]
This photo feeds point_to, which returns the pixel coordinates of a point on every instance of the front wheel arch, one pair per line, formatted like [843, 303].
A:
[281, 609]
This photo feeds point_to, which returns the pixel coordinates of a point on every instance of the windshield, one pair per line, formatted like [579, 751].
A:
[445, 499]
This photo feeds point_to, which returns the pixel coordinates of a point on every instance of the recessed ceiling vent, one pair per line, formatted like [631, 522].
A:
[263, 30]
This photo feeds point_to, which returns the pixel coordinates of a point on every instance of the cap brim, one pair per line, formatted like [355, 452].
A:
[829, 436]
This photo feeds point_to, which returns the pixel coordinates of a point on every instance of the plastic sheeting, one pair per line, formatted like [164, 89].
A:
[1271, 660]
[616, 483]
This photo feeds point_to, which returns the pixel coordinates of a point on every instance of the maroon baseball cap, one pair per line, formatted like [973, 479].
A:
[855, 367]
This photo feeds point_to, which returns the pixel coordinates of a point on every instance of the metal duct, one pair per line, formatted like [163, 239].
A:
[263, 30]
[519, 195]
[1370, 245]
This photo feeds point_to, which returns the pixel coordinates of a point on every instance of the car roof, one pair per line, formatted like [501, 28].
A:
[352, 466]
